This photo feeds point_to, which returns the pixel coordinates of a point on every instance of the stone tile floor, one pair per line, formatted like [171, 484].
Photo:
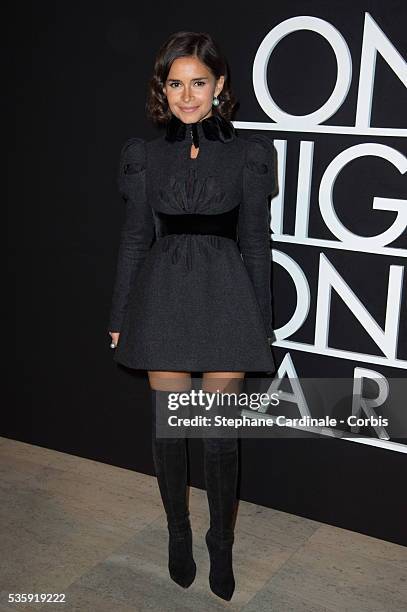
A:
[97, 533]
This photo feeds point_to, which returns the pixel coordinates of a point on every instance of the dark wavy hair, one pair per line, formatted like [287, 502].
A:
[186, 44]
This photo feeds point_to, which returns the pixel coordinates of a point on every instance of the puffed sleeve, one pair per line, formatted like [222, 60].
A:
[254, 233]
[138, 230]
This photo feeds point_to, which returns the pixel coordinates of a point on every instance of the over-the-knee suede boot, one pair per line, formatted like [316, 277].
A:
[221, 472]
[170, 462]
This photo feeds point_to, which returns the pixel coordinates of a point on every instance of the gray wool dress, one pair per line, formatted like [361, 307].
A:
[195, 302]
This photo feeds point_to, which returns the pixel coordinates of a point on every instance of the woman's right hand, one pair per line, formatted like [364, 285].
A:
[115, 337]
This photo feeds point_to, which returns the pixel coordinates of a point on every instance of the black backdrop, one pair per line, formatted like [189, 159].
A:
[77, 91]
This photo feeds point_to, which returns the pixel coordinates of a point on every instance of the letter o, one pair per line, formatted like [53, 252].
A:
[343, 77]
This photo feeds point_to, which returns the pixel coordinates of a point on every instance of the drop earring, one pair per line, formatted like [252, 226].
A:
[215, 101]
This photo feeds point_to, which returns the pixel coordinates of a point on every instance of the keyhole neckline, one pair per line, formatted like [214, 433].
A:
[197, 155]
[196, 136]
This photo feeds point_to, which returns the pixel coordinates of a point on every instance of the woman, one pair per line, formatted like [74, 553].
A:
[192, 290]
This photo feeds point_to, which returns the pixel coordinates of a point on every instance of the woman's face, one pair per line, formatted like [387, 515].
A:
[190, 88]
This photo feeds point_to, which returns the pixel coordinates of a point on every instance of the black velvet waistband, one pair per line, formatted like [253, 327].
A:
[222, 224]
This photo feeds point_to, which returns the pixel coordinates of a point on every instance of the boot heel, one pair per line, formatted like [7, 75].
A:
[221, 578]
[181, 564]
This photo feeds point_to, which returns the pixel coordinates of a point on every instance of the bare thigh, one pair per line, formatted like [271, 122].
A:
[169, 381]
[181, 381]
[222, 381]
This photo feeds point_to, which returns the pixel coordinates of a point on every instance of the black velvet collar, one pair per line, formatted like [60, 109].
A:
[214, 127]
